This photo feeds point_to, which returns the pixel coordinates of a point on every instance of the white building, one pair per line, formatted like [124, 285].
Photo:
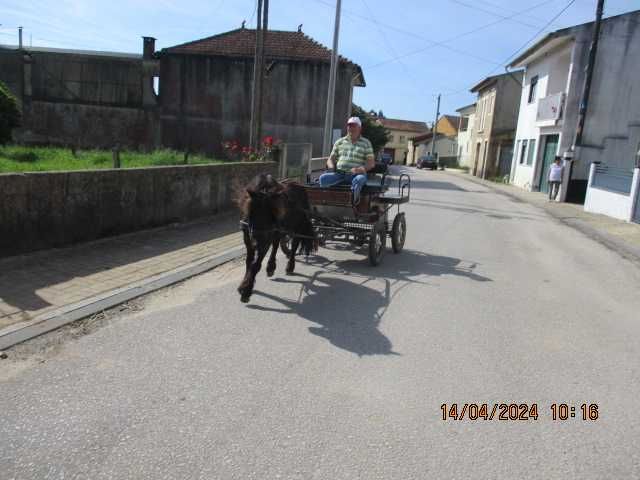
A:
[551, 93]
[465, 144]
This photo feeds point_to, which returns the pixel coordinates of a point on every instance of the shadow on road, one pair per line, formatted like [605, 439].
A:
[345, 300]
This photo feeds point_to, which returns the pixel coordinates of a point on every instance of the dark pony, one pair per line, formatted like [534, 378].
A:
[270, 211]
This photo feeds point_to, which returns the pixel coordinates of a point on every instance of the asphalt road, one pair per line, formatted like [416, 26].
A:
[340, 371]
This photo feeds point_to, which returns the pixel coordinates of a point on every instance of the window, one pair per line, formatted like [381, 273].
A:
[402, 138]
[532, 89]
[156, 85]
[532, 147]
[491, 101]
[391, 140]
[523, 151]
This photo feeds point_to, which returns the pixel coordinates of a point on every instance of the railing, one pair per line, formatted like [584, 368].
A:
[550, 107]
[614, 179]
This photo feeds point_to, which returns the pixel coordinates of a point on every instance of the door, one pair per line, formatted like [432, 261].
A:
[550, 151]
[504, 162]
[475, 162]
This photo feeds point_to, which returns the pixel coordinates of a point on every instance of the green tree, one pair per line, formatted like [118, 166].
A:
[9, 114]
[376, 133]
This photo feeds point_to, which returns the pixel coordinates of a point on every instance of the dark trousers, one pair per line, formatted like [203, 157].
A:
[554, 188]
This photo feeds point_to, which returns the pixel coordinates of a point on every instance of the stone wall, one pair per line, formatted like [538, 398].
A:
[54, 209]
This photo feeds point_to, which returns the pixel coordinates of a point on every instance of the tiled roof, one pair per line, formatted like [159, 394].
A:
[242, 42]
[404, 125]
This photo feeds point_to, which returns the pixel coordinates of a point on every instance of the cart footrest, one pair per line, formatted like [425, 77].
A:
[393, 198]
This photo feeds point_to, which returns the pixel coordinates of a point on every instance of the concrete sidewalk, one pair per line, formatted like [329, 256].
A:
[46, 289]
[623, 237]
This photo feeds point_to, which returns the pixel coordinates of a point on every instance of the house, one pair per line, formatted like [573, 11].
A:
[496, 117]
[419, 145]
[205, 89]
[401, 131]
[467, 115]
[552, 89]
[191, 96]
[445, 147]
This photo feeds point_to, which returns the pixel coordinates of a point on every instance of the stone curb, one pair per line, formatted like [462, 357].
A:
[20, 332]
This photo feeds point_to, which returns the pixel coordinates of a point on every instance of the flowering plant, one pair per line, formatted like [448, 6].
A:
[236, 152]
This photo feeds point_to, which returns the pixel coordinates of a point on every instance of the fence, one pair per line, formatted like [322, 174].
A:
[613, 191]
[614, 179]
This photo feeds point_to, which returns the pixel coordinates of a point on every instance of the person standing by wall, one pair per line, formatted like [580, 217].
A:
[556, 172]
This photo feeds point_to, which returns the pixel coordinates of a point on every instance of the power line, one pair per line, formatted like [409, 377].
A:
[505, 63]
[416, 35]
[480, 9]
[461, 35]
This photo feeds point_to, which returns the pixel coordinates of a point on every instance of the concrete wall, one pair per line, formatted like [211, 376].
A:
[94, 99]
[465, 146]
[86, 99]
[612, 204]
[612, 128]
[207, 100]
[45, 210]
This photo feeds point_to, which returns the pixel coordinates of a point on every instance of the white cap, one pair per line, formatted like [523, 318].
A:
[355, 120]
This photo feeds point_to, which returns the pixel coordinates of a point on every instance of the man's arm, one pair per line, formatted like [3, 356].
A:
[333, 157]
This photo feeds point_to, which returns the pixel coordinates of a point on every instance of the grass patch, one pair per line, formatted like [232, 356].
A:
[46, 159]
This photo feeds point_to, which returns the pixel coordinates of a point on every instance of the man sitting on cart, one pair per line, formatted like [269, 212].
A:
[351, 158]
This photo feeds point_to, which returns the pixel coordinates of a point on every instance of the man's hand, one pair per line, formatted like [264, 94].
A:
[358, 170]
[330, 164]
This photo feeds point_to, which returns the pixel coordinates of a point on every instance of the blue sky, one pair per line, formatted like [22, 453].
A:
[410, 50]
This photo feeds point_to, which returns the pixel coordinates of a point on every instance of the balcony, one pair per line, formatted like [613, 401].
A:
[550, 110]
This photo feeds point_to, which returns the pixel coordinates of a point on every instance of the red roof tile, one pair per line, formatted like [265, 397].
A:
[405, 125]
[242, 43]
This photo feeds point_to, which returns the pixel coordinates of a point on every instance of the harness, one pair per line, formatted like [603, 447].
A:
[247, 227]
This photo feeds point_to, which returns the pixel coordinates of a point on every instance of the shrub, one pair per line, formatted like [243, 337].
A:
[9, 114]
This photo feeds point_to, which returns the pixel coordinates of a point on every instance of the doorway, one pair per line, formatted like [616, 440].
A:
[549, 154]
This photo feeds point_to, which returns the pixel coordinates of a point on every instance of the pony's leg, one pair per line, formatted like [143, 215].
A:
[262, 250]
[271, 265]
[251, 252]
[291, 264]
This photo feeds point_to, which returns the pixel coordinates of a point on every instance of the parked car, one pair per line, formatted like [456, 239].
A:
[427, 161]
[386, 158]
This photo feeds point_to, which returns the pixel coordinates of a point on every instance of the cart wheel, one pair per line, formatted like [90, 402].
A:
[398, 233]
[377, 244]
[285, 245]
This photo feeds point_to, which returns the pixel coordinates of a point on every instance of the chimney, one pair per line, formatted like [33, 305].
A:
[20, 38]
[148, 47]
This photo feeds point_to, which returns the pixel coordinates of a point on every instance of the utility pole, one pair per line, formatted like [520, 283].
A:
[20, 38]
[435, 131]
[584, 99]
[264, 30]
[257, 76]
[331, 95]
